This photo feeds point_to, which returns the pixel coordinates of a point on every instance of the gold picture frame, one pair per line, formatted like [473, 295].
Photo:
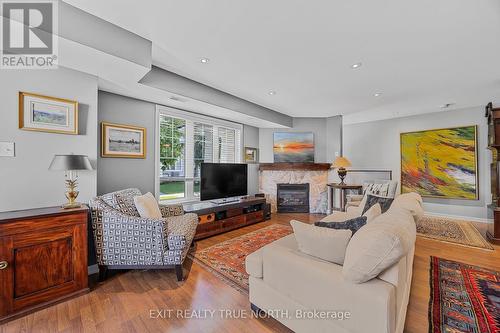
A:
[122, 141]
[42, 113]
[470, 137]
[251, 155]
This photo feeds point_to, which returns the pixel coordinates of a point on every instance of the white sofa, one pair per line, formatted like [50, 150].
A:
[284, 281]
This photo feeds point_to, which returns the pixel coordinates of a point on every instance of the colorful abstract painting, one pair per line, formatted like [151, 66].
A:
[293, 147]
[440, 163]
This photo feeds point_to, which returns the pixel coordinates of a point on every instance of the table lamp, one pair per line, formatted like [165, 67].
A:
[341, 163]
[70, 164]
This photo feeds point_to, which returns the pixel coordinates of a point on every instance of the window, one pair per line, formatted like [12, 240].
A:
[172, 158]
[203, 151]
[184, 142]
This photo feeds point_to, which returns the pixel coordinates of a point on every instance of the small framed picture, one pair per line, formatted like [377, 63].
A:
[47, 114]
[251, 155]
[123, 141]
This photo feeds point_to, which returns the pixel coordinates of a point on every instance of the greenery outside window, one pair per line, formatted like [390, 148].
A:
[184, 141]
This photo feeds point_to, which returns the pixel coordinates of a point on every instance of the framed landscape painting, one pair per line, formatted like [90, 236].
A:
[123, 141]
[440, 163]
[47, 114]
[293, 147]
[251, 155]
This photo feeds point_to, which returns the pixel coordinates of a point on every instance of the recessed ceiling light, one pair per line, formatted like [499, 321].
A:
[204, 60]
[377, 94]
[356, 65]
[272, 92]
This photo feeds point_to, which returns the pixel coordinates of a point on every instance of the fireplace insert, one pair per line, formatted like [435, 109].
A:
[293, 198]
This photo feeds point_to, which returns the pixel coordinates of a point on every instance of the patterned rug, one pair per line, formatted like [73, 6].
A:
[227, 259]
[452, 231]
[464, 298]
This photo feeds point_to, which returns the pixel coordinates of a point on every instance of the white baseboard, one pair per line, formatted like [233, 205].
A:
[458, 217]
[93, 269]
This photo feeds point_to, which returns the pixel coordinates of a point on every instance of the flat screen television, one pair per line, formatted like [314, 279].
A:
[223, 180]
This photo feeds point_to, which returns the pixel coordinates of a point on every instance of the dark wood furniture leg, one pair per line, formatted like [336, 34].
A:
[103, 273]
[179, 273]
[256, 310]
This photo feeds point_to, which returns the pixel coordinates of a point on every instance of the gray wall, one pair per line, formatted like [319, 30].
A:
[119, 173]
[376, 145]
[25, 181]
[251, 139]
[114, 174]
[327, 137]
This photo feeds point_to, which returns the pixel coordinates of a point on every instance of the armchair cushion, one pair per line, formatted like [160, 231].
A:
[147, 206]
[123, 201]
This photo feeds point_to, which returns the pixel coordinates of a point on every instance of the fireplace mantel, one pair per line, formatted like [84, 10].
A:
[294, 166]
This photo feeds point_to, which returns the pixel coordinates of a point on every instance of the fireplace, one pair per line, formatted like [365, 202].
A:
[293, 198]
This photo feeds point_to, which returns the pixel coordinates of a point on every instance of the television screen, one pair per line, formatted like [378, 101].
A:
[223, 180]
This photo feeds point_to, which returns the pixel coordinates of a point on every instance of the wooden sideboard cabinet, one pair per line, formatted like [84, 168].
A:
[43, 258]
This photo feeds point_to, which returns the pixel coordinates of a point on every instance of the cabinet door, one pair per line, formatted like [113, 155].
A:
[44, 266]
[5, 276]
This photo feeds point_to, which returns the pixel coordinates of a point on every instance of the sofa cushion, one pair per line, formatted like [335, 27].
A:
[353, 224]
[319, 284]
[373, 212]
[371, 200]
[325, 243]
[379, 245]
[253, 262]
[147, 206]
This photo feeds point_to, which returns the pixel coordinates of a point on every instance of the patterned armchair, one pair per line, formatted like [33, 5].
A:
[124, 240]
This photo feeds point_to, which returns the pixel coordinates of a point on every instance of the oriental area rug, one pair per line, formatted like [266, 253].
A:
[227, 259]
[452, 231]
[464, 298]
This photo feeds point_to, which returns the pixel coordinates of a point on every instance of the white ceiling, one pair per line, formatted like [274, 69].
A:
[419, 54]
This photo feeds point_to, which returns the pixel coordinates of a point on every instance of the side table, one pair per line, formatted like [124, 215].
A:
[343, 189]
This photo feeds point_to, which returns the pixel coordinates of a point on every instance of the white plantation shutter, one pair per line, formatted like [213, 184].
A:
[205, 139]
[203, 145]
[226, 139]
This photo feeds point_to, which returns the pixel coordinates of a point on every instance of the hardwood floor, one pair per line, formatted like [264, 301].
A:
[129, 301]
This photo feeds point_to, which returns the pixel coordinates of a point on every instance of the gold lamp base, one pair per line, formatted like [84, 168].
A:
[71, 195]
[71, 205]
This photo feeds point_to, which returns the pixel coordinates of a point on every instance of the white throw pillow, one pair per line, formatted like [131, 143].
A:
[324, 243]
[147, 206]
[373, 212]
[379, 245]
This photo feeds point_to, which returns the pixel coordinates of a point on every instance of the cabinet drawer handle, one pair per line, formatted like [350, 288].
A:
[3, 264]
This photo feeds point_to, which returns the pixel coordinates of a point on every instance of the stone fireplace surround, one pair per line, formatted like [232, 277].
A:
[316, 174]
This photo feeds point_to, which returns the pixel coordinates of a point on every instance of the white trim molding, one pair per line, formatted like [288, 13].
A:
[459, 217]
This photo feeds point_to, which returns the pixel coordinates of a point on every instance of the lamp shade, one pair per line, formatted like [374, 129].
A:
[70, 162]
[341, 162]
